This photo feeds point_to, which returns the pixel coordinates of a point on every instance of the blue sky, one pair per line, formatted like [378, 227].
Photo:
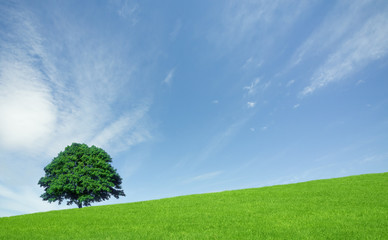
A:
[192, 96]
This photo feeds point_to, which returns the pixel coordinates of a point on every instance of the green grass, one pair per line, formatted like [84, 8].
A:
[353, 207]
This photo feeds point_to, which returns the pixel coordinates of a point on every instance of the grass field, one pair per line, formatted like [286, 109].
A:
[353, 207]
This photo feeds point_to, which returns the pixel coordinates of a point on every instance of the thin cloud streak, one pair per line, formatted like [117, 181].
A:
[242, 21]
[27, 110]
[47, 103]
[125, 132]
[251, 104]
[367, 45]
[252, 88]
[176, 30]
[220, 140]
[337, 26]
[203, 177]
[127, 10]
[26, 104]
[291, 82]
[168, 79]
[37, 108]
[14, 200]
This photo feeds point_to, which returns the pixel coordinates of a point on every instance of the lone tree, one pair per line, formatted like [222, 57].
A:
[82, 175]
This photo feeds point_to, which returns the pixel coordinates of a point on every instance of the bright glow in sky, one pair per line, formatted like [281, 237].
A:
[192, 96]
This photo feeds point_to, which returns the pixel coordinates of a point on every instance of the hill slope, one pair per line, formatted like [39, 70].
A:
[353, 207]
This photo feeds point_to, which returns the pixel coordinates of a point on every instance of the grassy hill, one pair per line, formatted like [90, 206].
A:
[353, 207]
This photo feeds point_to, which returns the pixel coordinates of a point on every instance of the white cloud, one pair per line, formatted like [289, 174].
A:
[13, 201]
[242, 21]
[360, 82]
[368, 44]
[126, 131]
[220, 140]
[45, 104]
[127, 10]
[26, 106]
[215, 101]
[340, 22]
[251, 104]
[27, 109]
[252, 63]
[266, 85]
[48, 102]
[296, 106]
[203, 177]
[168, 79]
[247, 62]
[253, 87]
[176, 30]
[291, 82]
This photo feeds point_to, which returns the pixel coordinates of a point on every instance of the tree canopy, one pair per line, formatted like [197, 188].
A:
[81, 175]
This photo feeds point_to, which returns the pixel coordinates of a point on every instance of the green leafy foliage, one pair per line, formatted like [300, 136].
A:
[81, 175]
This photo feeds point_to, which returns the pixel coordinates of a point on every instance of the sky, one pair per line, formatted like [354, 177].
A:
[192, 97]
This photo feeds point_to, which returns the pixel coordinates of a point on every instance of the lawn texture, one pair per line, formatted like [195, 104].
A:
[354, 207]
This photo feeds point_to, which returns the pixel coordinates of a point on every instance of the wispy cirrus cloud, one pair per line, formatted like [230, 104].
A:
[126, 131]
[170, 75]
[252, 88]
[44, 99]
[365, 46]
[296, 106]
[177, 28]
[14, 201]
[289, 83]
[27, 109]
[127, 9]
[243, 21]
[339, 47]
[52, 96]
[220, 140]
[203, 177]
[26, 104]
[338, 25]
[251, 104]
